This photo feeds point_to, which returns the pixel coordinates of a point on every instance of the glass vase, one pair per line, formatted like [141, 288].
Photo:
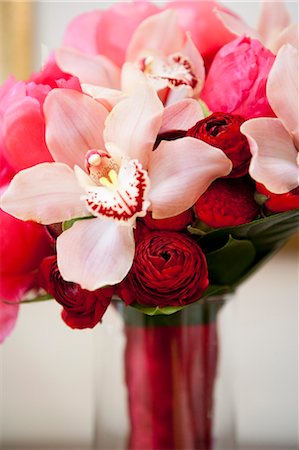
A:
[168, 368]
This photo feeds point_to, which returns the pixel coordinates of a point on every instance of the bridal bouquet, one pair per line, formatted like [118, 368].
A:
[154, 158]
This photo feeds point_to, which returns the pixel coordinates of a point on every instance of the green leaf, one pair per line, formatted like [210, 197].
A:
[69, 223]
[40, 298]
[228, 263]
[266, 233]
[212, 290]
[205, 109]
[156, 310]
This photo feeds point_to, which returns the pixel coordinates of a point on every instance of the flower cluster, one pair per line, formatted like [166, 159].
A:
[143, 127]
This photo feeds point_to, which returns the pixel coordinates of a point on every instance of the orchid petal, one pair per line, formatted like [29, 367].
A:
[178, 94]
[133, 124]
[8, 317]
[197, 62]
[180, 171]
[288, 35]
[46, 193]
[181, 115]
[74, 125]
[92, 69]
[273, 19]
[108, 97]
[282, 89]
[274, 155]
[235, 24]
[95, 252]
[157, 35]
[130, 77]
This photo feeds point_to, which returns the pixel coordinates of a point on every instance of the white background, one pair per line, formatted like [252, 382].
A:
[56, 383]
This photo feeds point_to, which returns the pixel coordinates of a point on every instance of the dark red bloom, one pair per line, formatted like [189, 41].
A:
[222, 130]
[175, 223]
[279, 202]
[169, 269]
[81, 308]
[228, 202]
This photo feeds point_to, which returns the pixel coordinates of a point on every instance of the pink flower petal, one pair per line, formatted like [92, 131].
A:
[235, 24]
[108, 97]
[95, 252]
[197, 62]
[274, 18]
[84, 25]
[274, 156]
[282, 89]
[46, 193]
[74, 125]
[130, 77]
[181, 115]
[158, 34]
[23, 245]
[288, 35]
[180, 171]
[8, 317]
[97, 70]
[118, 25]
[24, 131]
[134, 123]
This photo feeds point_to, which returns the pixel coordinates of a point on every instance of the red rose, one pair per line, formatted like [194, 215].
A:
[175, 223]
[222, 130]
[81, 308]
[169, 269]
[279, 202]
[228, 202]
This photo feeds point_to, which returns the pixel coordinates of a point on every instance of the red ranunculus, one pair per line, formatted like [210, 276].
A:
[175, 223]
[236, 82]
[222, 130]
[169, 269]
[228, 202]
[81, 308]
[279, 202]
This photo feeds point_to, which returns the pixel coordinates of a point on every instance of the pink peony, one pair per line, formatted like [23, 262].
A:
[108, 32]
[22, 122]
[237, 79]
[199, 18]
[23, 245]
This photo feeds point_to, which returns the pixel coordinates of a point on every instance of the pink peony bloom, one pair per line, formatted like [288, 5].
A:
[23, 245]
[8, 317]
[22, 123]
[107, 173]
[199, 18]
[158, 47]
[274, 142]
[236, 82]
[108, 32]
[274, 28]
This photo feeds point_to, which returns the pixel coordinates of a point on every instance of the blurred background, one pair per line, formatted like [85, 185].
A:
[61, 388]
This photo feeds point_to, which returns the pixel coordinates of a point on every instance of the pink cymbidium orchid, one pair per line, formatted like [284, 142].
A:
[109, 181]
[274, 142]
[274, 28]
[159, 48]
